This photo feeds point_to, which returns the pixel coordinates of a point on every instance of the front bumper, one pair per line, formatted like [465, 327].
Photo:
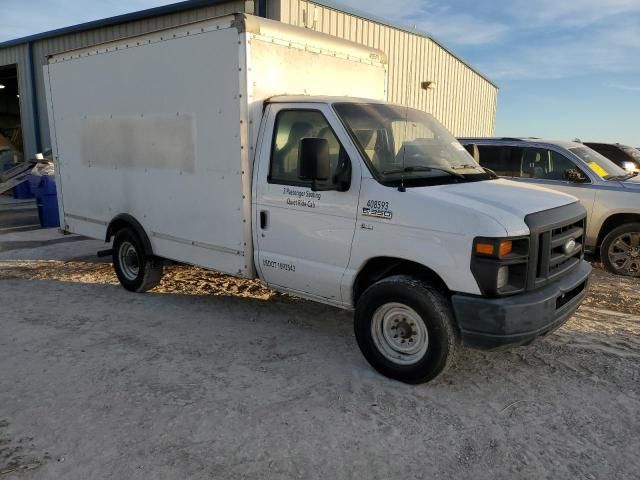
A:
[518, 319]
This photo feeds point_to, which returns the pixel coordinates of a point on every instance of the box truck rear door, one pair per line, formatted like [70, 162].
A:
[304, 236]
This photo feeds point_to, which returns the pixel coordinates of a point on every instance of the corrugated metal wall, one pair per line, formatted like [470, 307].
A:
[462, 99]
[48, 46]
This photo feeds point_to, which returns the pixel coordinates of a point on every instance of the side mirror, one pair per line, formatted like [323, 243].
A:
[574, 175]
[314, 162]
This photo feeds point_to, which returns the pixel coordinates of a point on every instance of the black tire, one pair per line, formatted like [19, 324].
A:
[127, 251]
[434, 310]
[623, 233]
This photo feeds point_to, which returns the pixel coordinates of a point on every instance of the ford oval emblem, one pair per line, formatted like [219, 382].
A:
[569, 247]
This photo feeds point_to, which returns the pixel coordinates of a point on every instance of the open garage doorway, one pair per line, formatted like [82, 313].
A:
[10, 124]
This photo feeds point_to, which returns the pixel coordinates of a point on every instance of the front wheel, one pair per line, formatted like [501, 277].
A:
[620, 250]
[405, 329]
[136, 271]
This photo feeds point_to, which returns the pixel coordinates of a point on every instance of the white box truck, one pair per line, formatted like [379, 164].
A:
[264, 150]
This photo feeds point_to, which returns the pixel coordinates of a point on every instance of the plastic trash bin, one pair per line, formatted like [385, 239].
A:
[47, 202]
[34, 183]
[22, 191]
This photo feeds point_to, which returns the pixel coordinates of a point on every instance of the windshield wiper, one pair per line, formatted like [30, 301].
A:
[622, 178]
[463, 167]
[491, 173]
[424, 168]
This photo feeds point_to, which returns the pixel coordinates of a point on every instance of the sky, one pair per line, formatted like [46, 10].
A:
[565, 68]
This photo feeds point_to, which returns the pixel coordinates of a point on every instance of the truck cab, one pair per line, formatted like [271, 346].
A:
[375, 207]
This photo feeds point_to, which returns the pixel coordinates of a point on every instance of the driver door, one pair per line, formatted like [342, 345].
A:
[303, 236]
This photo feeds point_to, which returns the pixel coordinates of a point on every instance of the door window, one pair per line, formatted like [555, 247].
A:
[558, 166]
[542, 163]
[290, 128]
[502, 159]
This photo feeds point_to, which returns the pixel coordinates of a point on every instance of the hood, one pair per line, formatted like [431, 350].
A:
[509, 196]
[505, 201]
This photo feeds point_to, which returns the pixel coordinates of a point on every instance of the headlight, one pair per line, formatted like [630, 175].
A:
[499, 265]
[629, 166]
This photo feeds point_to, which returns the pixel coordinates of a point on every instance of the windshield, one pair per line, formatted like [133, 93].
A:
[402, 144]
[600, 165]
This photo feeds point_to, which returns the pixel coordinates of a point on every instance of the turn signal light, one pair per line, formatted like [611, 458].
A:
[505, 247]
[485, 248]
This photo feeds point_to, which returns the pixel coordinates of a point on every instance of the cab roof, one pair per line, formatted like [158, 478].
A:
[319, 99]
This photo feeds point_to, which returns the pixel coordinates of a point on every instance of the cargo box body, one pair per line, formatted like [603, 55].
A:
[163, 127]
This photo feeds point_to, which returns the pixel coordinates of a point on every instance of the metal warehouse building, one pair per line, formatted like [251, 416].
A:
[422, 72]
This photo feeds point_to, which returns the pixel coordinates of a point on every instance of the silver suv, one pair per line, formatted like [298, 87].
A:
[610, 194]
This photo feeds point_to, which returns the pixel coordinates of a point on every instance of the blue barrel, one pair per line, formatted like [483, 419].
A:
[22, 191]
[34, 183]
[47, 202]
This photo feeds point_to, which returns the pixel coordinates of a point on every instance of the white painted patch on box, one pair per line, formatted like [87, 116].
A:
[159, 141]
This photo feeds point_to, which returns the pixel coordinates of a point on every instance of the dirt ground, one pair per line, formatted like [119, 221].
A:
[212, 377]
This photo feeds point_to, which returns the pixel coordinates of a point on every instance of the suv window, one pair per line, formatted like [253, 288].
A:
[525, 162]
[291, 127]
[558, 165]
[502, 159]
[545, 164]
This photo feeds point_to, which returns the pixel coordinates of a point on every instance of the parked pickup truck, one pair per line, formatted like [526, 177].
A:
[610, 194]
[178, 145]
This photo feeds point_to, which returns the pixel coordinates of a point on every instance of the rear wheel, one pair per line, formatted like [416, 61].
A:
[136, 271]
[620, 250]
[405, 329]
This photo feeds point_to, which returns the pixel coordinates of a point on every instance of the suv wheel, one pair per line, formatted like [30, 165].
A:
[620, 250]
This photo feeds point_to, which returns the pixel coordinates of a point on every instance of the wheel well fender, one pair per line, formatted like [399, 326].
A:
[124, 220]
[614, 221]
[377, 268]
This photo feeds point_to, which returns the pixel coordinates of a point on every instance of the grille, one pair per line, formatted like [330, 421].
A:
[552, 232]
[553, 257]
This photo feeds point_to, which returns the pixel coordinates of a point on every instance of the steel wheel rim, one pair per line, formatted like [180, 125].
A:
[624, 253]
[129, 260]
[399, 333]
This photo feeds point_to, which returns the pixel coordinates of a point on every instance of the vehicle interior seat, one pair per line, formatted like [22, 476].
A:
[474, 151]
[334, 146]
[366, 137]
[376, 149]
[532, 164]
[286, 163]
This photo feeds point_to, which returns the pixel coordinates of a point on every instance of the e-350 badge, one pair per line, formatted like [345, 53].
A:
[369, 212]
[378, 209]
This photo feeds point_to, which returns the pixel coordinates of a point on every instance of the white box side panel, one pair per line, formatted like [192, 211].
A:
[154, 131]
[278, 67]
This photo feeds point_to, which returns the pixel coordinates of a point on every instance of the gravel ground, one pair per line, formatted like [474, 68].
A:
[212, 377]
